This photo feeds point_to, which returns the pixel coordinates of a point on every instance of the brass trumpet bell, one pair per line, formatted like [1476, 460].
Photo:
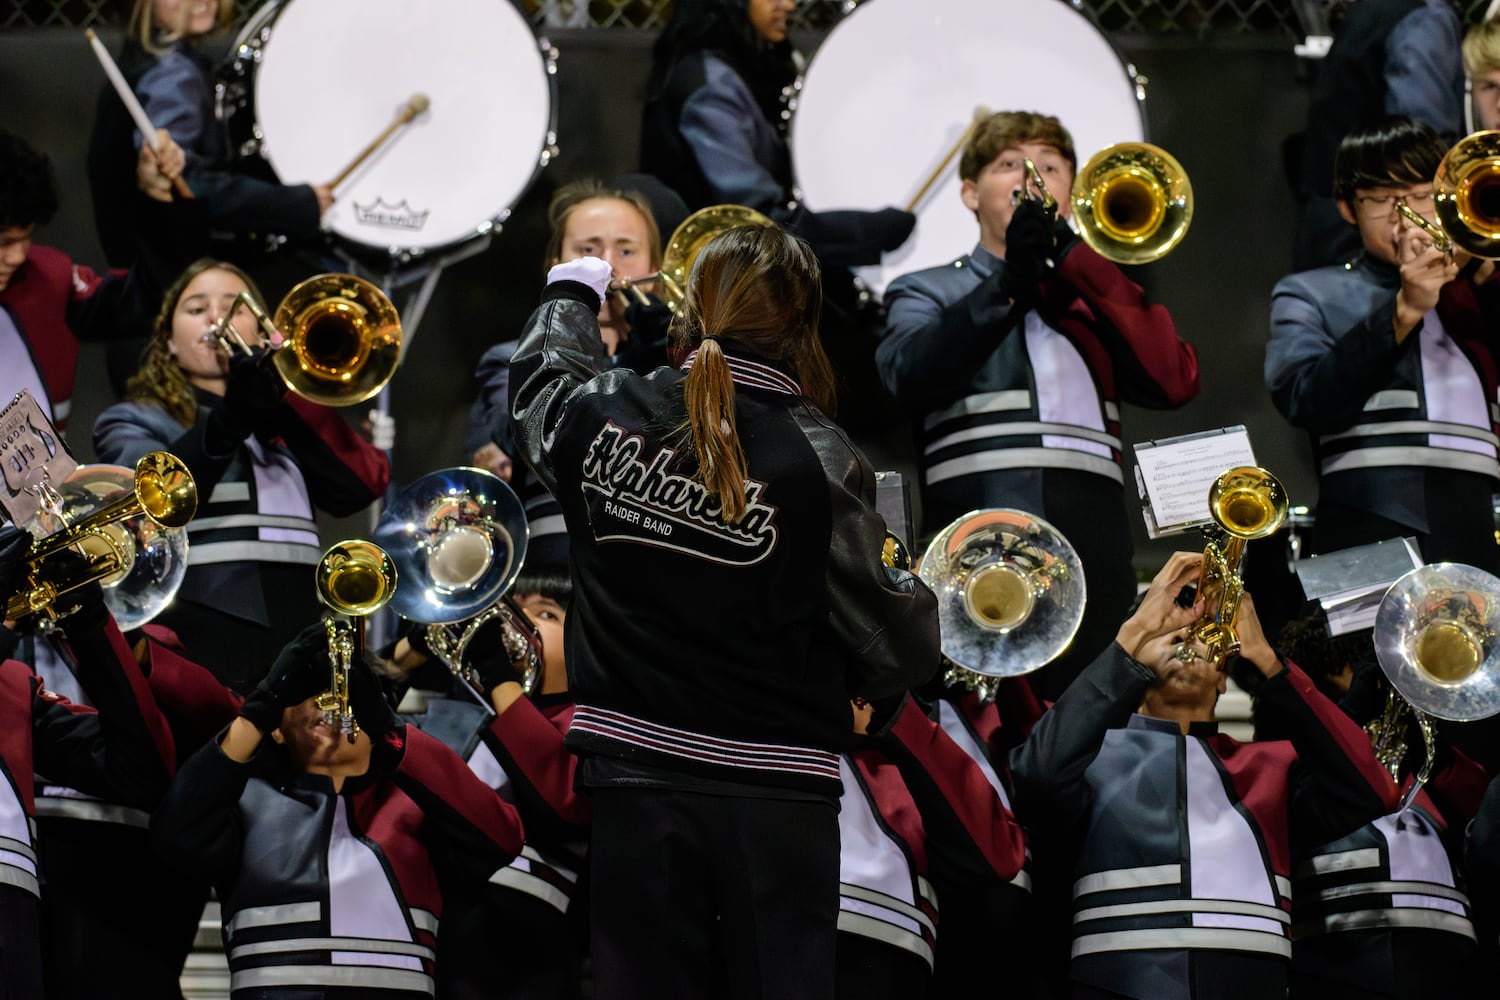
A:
[458, 537]
[1010, 592]
[355, 578]
[343, 339]
[1436, 642]
[107, 536]
[1246, 503]
[1467, 194]
[1132, 202]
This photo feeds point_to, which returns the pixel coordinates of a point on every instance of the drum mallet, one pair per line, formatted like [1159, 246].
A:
[414, 107]
[137, 113]
[980, 114]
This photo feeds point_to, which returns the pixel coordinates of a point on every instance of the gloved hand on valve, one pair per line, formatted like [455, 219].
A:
[252, 390]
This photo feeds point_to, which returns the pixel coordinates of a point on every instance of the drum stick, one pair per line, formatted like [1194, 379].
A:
[138, 113]
[980, 114]
[414, 107]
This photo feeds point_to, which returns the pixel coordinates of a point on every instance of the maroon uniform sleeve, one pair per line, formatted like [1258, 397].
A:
[195, 704]
[529, 746]
[1153, 366]
[959, 806]
[343, 471]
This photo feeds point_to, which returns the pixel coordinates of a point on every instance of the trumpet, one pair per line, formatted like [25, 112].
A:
[354, 579]
[343, 340]
[1246, 503]
[163, 491]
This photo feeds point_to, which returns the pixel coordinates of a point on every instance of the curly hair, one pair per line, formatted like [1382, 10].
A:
[161, 380]
[28, 191]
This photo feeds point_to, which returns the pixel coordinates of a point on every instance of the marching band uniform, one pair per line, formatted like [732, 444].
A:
[1191, 901]
[523, 911]
[1404, 434]
[913, 800]
[330, 893]
[122, 752]
[1020, 407]
[254, 541]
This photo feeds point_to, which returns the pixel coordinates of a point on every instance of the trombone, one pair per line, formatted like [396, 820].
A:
[343, 338]
[1466, 194]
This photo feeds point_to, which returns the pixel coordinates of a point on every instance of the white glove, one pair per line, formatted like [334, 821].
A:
[592, 271]
[382, 430]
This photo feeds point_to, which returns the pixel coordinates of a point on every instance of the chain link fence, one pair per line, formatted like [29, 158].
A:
[1142, 17]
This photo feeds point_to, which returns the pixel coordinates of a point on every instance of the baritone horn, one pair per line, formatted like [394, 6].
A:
[162, 490]
[1010, 592]
[683, 247]
[1245, 503]
[355, 579]
[1132, 202]
[1435, 641]
[458, 538]
[341, 338]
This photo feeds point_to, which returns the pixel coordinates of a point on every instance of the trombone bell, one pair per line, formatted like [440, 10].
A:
[343, 339]
[689, 239]
[1466, 191]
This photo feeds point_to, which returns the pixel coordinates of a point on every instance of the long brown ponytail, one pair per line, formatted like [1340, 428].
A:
[759, 286]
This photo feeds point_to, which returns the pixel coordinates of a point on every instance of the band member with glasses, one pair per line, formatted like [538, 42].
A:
[1388, 362]
[1183, 836]
[729, 600]
[1016, 359]
[264, 460]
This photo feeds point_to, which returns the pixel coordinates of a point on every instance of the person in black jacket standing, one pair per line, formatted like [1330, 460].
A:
[729, 600]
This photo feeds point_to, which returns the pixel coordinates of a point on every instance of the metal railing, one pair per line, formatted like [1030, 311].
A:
[1129, 17]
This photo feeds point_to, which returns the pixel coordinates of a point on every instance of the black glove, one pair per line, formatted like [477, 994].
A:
[852, 238]
[1064, 239]
[253, 390]
[890, 227]
[372, 710]
[82, 610]
[14, 544]
[488, 657]
[301, 670]
[1028, 247]
[645, 348]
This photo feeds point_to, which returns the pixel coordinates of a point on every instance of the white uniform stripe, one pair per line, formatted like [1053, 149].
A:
[1322, 864]
[254, 551]
[1160, 906]
[532, 885]
[864, 925]
[357, 944]
[1023, 458]
[981, 402]
[1128, 878]
[353, 976]
[1214, 938]
[1027, 427]
[265, 916]
[1439, 458]
[1361, 920]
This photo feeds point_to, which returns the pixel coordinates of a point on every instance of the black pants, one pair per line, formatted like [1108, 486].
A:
[700, 895]
[872, 970]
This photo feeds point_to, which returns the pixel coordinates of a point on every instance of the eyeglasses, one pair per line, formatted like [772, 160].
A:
[1380, 207]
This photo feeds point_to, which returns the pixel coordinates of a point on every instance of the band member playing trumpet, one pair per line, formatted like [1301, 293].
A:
[1183, 835]
[264, 461]
[1016, 359]
[1388, 362]
[729, 601]
[328, 852]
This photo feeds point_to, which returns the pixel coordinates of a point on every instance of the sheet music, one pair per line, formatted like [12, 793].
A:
[1177, 473]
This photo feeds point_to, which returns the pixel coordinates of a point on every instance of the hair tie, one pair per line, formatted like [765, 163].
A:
[715, 338]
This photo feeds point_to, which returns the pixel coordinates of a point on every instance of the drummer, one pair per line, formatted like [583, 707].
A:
[1016, 358]
[174, 81]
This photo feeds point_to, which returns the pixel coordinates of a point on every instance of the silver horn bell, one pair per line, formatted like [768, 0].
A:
[1010, 593]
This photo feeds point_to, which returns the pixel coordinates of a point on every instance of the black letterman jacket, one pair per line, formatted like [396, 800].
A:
[696, 646]
[1335, 370]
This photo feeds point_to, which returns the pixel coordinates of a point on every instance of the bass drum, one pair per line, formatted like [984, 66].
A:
[919, 69]
[311, 83]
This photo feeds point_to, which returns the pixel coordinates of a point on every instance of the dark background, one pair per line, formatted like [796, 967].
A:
[1222, 105]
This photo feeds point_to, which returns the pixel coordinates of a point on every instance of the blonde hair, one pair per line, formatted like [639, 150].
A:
[142, 25]
[571, 196]
[161, 380]
[759, 286]
[1007, 129]
[1482, 49]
